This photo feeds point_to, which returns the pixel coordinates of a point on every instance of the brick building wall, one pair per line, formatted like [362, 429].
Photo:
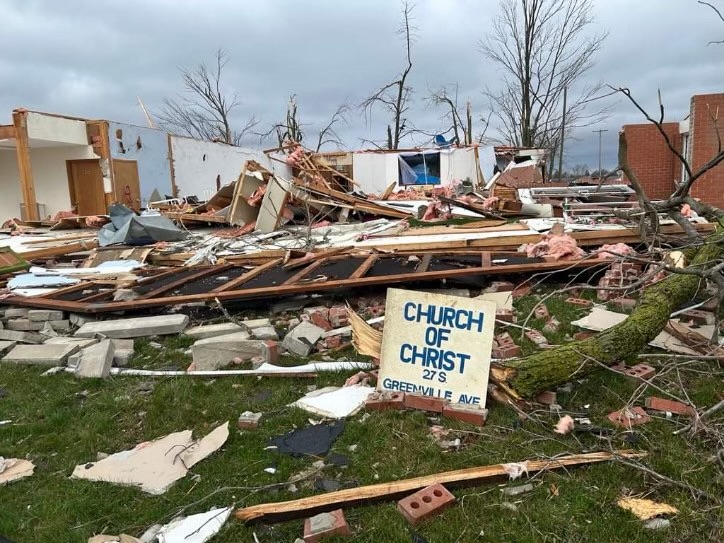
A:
[650, 159]
[704, 145]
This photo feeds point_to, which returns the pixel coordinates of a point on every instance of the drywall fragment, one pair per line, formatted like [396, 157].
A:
[334, 402]
[300, 339]
[195, 528]
[12, 469]
[154, 465]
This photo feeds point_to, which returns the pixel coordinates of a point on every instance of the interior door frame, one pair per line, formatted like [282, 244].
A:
[71, 187]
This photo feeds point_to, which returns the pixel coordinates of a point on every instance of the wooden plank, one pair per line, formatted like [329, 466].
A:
[22, 150]
[286, 289]
[172, 166]
[7, 132]
[187, 279]
[304, 272]
[305, 507]
[308, 259]
[364, 267]
[65, 249]
[485, 259]
[424, 263]
[272, 206]
[248, 276]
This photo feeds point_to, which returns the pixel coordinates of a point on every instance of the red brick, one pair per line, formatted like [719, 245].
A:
[672, 406]
[541, 312]
[332, 342]
[581, 302]
[578, 336]
[338, 316]
[424, 403]
[472, 414]
[548, 397]
[425, 503]
[325, 525]
[248, 420]
[536, 337]
[505, 315]
[318, 319]
[500, 286]
[640, 371]
[521, 290]
[628, 417]
[504, 339]
[507, 351]
[273, 350]
[383, 401]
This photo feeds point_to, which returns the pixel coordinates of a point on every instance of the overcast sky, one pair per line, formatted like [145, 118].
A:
[93, 58]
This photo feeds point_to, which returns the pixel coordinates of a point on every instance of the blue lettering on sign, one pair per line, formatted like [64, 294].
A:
[449, 317]
[404, 386]
[430, 357]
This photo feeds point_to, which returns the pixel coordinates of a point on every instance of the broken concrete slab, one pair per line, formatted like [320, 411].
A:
[265, 332]
[213, 330]
[42, 355]
[22, 337]
[300, 339]
[95, 361]
[42, 315]
[24, 325]
[218, 352]
[250, 324]
[15, 312]
[124, 349]
[135, 327]
[81, 342]
[5, 346]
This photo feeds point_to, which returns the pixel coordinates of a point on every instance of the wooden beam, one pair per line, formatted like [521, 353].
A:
[58, 250]
[425, 263]
[304, 272]
[7, 132]
[172, 166]
[22, 149]
[365, 267]
[186, 279]
[305, 507]
[306, 287]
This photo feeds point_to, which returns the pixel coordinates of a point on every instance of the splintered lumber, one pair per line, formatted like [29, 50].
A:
[365, 339]
[62, 249]
[313, 505]
[526, 377]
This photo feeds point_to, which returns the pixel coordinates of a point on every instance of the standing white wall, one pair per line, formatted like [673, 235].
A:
[9, 185]
[197, 164]
[374, 172]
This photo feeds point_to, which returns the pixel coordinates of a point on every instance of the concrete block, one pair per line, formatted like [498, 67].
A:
[22, 337]
[5, 346]
[218, 352]
[79, 320]
[472, 414]
[265, 332]
[425, 503]
[16, 312]
[121, 357]
[385, 400]
[640, 371]
[325, 525]
[250, 324]
[248, 420]
[42, 315]
[302, 338]
[628, 417]
[96, 360]
[81, 342]
[424, 403]
[669, 406]
[24, 325]
[41, 355]
[158, 325]
[59, 326]
[213, 330]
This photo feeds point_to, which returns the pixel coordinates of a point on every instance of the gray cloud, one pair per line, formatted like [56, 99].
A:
[94, 58]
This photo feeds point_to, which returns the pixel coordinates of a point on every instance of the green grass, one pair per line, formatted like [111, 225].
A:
[57, 427]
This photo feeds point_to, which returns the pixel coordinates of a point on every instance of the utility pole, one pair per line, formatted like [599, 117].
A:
[563, 134]
[600, 132]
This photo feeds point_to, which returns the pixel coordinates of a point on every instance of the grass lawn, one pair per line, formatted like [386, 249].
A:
[60, 421]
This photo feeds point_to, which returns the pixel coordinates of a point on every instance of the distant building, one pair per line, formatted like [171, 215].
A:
[659, 171]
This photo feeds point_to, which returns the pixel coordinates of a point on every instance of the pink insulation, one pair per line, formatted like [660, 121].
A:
[686, 211]
[616, 249]
[556, 247]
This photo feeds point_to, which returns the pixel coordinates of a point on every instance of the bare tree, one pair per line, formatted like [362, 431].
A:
[718, 12]
[543, 51]
[394, 97]
[292, 130]
[204, 110]
[447, 99]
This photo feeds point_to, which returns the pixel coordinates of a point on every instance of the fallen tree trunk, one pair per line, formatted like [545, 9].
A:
[524, 378]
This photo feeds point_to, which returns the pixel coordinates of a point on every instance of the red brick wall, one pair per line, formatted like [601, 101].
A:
[651, 161]
[704, 146]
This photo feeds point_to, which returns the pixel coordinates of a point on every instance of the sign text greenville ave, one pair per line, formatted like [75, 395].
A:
[437, 345]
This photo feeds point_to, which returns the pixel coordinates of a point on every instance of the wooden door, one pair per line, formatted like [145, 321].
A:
[85, 183]
[126, 183]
